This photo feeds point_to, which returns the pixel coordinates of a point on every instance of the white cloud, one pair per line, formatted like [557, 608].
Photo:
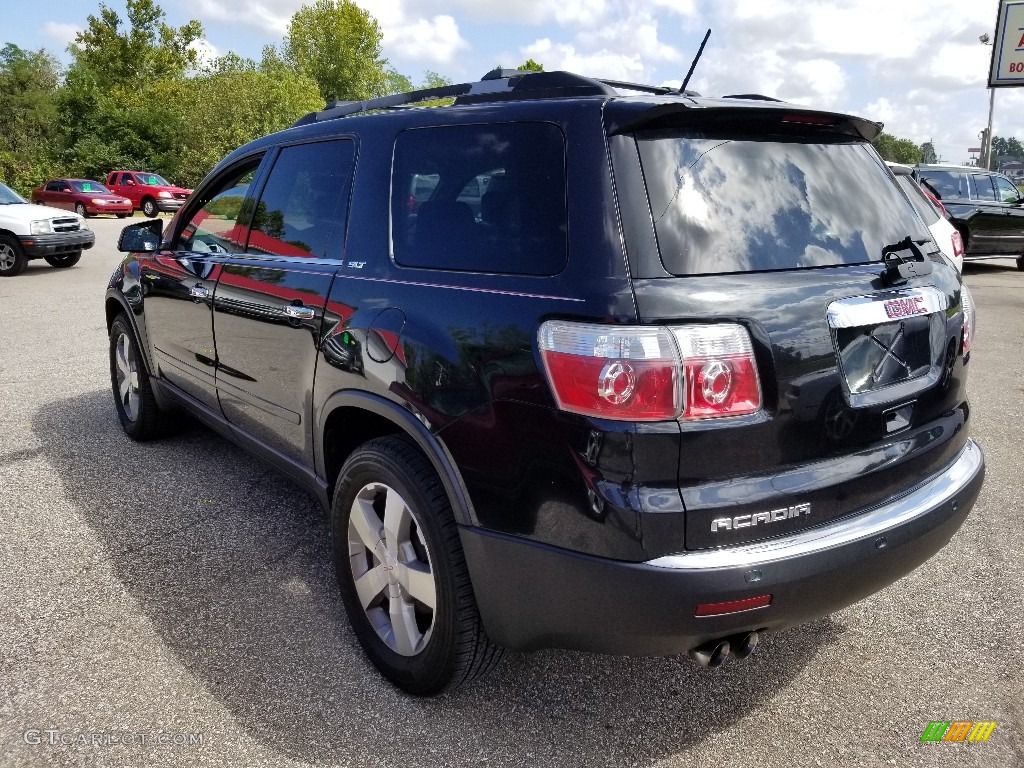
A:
[603, 63]
[206, 52]
[60, 33]
[435, 41]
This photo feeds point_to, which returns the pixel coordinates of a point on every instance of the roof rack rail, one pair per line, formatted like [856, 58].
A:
[496, 85]
[751, 97]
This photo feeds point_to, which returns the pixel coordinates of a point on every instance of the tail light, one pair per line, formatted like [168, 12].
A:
[650, 373]
[970, 320]
[958, 244]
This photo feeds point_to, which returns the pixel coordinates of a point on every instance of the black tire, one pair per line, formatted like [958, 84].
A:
[149, 208]
[64, 260]
[123, 215]
[1020, 263]
[80, 210]
[453, 648]
[142, 418]
[12, 257]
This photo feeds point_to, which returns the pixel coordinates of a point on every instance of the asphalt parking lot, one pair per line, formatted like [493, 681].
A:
[182, 588]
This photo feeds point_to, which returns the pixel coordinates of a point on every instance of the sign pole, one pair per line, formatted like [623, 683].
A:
[988, 142]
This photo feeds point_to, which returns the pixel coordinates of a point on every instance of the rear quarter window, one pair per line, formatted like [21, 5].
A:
[480, 198]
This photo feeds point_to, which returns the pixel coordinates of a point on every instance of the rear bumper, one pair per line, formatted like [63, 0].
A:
[38, 246]
[534, 596]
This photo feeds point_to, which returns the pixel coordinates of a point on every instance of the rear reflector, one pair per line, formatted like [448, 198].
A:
[733, 606]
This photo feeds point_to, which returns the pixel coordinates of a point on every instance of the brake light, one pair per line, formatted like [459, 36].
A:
[644, 373]
[809, 119]
[958, 244]
[970, 320]
[719, 371]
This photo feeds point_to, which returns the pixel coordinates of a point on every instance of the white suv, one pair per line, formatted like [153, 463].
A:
[38, 232]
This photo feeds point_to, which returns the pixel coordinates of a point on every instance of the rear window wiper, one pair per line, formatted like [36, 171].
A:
[899, 266]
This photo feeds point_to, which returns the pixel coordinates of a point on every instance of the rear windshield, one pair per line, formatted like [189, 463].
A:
[727, 204]
[945, 185]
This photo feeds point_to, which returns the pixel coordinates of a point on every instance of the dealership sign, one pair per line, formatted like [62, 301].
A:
[1007, 68]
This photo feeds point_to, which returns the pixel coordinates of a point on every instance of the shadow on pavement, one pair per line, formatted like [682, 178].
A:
[231, 563]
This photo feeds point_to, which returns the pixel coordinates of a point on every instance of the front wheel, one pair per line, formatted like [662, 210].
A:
[149, 208]
[64, 260]
[12, 258]
[80, 210]
[402, 573]
[140, 416]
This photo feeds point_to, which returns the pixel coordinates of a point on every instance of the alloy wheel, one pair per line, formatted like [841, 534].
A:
[8, 258]
[391, 569]
[127, 376]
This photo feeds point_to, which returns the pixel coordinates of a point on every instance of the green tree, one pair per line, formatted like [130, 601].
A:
[337, 44]
[145, 51]
[533, 66]
[897, 150]
[28, 118]
[928, 154]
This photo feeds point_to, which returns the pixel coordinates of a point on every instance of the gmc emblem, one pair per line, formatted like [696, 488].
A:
[912, 305]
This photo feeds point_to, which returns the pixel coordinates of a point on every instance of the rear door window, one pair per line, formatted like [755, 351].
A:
[944, 184]
[301, 203]
[727, 204]
[480, 198]
[982, 187]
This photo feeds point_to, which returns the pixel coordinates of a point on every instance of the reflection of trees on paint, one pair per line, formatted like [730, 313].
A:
[270, 223]
[263, 274]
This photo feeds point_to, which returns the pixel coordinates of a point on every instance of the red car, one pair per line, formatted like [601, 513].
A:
[149, 192]
[82, 196]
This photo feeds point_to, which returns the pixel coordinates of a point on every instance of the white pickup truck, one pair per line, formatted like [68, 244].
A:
[38, 232]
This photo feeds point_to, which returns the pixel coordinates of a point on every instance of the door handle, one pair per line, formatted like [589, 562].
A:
[199, 291]
[300, 312]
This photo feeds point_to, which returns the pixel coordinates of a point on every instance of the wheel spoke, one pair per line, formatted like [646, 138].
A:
[124, 389]
[417, 580]
[396, 522]
[371, 585]
[403, 626]
[133, 405]
[365, 522]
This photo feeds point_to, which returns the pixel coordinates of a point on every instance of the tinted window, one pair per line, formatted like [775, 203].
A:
[90, 186]
[982, 187]
[218, 226]
[496, 199]
[1005, 191]
[944, 184]
[301, 201]
[921, 204]
[734, 205]
[53, 186]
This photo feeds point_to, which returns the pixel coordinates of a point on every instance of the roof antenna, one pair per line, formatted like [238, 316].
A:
[682, 88]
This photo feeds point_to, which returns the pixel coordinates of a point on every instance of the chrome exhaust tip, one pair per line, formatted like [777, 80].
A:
[711, 654]
[742, 646]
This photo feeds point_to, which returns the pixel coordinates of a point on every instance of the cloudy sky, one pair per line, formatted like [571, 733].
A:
[917, 66]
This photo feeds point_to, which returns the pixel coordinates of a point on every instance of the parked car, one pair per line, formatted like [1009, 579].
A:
[696, 373]
[985, 207]
[38, 232]
[149, 192]
[84, 197]
[932, 213]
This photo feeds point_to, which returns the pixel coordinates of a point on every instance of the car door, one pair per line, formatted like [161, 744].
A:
[58, 195]
[988, 222]
[270, 299]
[179, 282]
[1010, 227]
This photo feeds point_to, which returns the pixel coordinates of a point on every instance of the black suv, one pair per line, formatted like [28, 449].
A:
[689, 370]
[986, 208]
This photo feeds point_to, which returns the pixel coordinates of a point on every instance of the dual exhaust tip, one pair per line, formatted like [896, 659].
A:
[714, 652]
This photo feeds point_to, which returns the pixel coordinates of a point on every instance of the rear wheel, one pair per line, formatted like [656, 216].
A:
[64, 260]
[402, 573]
[140, 416]
[12, 258]
[149, 207]
[1020, 262]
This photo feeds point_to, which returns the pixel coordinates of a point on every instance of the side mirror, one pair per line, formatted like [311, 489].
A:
[144, 236]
